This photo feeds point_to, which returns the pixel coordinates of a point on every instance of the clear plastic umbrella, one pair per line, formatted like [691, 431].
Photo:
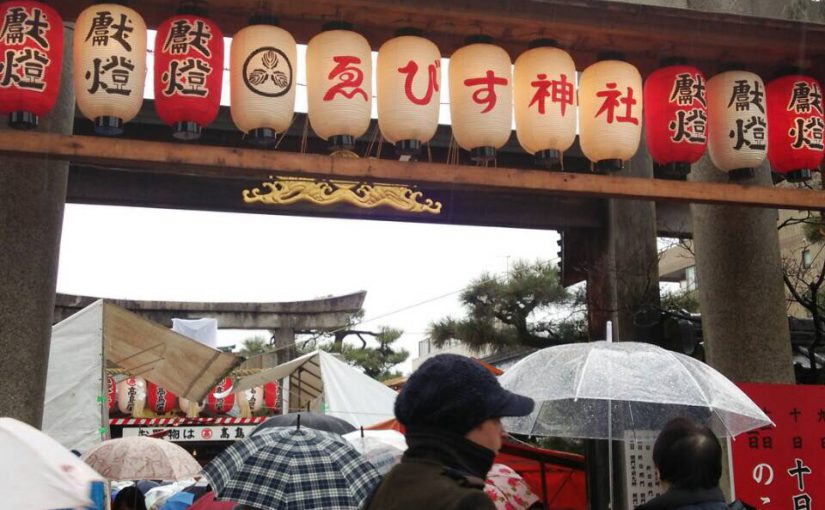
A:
[383, 448]
[606, 390]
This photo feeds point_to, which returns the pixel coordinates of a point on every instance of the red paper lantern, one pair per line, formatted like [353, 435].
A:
[221, 399]
[676, 120]
[159, 400]
[188, 72]
[31, 58]
[795, 126]
[271, 395]
[111, 393]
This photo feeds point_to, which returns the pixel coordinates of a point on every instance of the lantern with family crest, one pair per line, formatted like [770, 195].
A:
[610, 112]
[737, 122]
[544, 101]
[188, 71]
[31, 57]
[109, 51]
[481, 97]
[676, 118]
[262, 60]
[795, 125]
[339, 85]
[409, 90]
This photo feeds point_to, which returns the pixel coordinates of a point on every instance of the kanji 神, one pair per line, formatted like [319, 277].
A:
[103, 27]
[612, 99]
[487, 93]
[750, 133]
[743, 95]
[807, 133]
[799, 470]
[186, 78]
[804, 97]
[19, 24]
[687, 88]
[689, 126]
[350, 77]
[23, 69]
[119, 69]
[559, 91]
[411, 69]
[183, 35]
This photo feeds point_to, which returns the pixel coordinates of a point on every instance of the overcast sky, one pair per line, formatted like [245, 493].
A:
[154, 254]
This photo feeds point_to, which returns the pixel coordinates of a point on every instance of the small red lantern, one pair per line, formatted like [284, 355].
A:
[31, 58]
[795, 126]
[222, 397]
[676, 122]
[188, 72]
[159, 400]
[111, 393]
[271, 395]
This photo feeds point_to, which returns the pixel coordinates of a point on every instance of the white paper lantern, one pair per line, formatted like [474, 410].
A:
[262, 69]
[255, 398]
[189, 407]
[109, 51]
[544, 101]
[339, 85]
[737, 122]
[409, 91]
[481, 97]
[610, 113]
[131, 395]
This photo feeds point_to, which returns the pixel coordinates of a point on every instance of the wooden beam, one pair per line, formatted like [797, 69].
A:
[230, 162]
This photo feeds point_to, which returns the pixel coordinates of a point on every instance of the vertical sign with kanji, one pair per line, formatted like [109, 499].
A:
[795, 120]
[31, 56]
[188, 73]
[109, 50]
[641, 477]
[783, 468]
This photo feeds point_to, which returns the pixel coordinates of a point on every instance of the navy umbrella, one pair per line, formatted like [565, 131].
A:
[312, 420]
[293, 469]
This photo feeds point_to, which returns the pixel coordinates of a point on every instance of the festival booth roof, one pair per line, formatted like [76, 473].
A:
[104, 334]
[347, 393]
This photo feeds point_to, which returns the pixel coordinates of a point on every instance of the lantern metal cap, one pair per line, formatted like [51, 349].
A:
[401, 32]
[23, 120]
[674, 171]
[549, 159]
[262, 137]
[264, 19]
[108, 125]
[543, 42]
[608, 165]
[186, 130]
[193, 8]
[485, 153]
[610, 55]
[407, 147]
[788, 70]
[731, 66]
[674, 60]
[799, 175]
[741, 174]
[479, 39]
[336, 25]
[339, 143]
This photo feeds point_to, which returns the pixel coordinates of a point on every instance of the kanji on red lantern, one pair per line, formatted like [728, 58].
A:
[350, 78]
[411, 70]
[795, 125]
[31, 54]
[486, 95]
[614, 98]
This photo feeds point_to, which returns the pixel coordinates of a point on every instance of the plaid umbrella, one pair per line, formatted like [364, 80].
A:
[292, 469]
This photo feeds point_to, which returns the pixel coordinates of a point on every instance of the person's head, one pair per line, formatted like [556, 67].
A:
[688, 455]
[129, 498]
[456, 394]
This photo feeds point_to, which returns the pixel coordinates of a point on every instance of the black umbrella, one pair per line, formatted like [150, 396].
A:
[310, 420]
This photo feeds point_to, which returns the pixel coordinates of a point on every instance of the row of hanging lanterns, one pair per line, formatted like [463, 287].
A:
[734, 115]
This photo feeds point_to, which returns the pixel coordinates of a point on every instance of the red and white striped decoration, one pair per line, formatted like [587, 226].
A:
[220, 420]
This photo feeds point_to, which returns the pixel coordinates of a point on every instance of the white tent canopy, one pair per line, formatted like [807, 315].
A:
[321, 382]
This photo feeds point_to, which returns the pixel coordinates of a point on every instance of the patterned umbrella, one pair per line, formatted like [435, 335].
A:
[292, 469]
[141, 458]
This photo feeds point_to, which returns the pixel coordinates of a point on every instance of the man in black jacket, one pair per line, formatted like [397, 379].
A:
[451, 409]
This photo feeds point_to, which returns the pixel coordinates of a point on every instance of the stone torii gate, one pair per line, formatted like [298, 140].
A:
[283, 319]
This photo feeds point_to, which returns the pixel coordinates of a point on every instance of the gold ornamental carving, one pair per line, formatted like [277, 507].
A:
[290, 190]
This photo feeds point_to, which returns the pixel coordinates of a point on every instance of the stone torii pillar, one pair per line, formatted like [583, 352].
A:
[33, 192]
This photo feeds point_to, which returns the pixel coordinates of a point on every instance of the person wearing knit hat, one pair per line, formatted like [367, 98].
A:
[451, 408]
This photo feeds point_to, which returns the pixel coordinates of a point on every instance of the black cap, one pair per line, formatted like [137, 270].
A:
[341, 143]
[108, 125]
[484, 153]
[336, 25]
[407, 147]
[454, 393]
[479, 39]
[23, 120]
[741, 174]
[543, 42]
[262, 137]
[417, 32]
[549, 159]
[608, 165]
[674, 171]
[186, 130]
[799, 175]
